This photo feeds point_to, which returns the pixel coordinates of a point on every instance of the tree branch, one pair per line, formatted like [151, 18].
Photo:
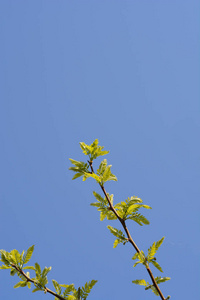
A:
[128, 235]
[36, 283]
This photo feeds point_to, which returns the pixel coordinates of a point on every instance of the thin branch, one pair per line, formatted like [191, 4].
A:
[128, 234]
[36, 283]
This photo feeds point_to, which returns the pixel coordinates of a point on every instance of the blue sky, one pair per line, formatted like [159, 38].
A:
[127, 73]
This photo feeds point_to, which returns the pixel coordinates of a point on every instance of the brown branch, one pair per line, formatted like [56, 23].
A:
[36, 283]
[128, 235]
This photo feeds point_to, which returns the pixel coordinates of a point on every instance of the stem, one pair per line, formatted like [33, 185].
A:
[35, 282]
[128, 235]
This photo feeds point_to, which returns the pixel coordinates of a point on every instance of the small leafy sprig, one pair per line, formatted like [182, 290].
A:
[16, 262]
[123, 211]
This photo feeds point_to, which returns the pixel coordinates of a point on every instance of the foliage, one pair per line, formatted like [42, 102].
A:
[151, 286]
[16, 262]
[123, 211]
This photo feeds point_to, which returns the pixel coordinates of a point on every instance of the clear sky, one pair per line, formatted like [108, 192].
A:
[125, 72]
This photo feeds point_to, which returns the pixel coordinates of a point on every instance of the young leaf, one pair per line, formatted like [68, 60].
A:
[141, 258]
[104, 172]
[37, 270]
[13, 271]
[138, 218]
[140, 282]
[157, 265]
[161, 279]
[81, 168]
[119, 234]
[27, 255]
[20, 284]
[29, 268]
[103, 206]
[37, 289]
[152, 251]
[159, 243]
[3, 267]
[68, 289]
[93, 150]
[85, 290]
[5, 257]
[15, 257]
[57, 287]
[45, 271]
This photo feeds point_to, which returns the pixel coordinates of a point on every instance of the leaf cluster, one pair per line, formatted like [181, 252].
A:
[103, 173]
[40, 278]
[128, 209]
[82, 169]
[125, 210]
[151, 286]
[119, 234]
[150, 258]
[15, 258]
[70, 293]
[145, 260]
[15, 261]
[93, 150]
[103, 206]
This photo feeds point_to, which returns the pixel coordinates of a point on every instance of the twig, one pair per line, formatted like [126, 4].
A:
[128, 235]
[36, 283]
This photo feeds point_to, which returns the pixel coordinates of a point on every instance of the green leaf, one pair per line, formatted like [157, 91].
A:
[37, 289]
[159, 243]
[141, 258]
[140, 282]
[93, 150]
[103, 216]
[28, 268]
[151, 286]
[81, 169]
[13, 271]
[135, 256]
[45, 271]
[93, 175]
[98, 197]
[103, 206]
[68, 289]
[57, 287]
[15, 257]
[87, 288]
[128, 210]
[158, 280]
[20, 284]
[28, 254]
[5, 257]
[157, 265]
[104, 172]
[137, 262]
[152, 251]
[161, 279]
[77, 175]
[116, 243]
[138, 218]
[3, 267]
[37, 270]
[119, 234]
